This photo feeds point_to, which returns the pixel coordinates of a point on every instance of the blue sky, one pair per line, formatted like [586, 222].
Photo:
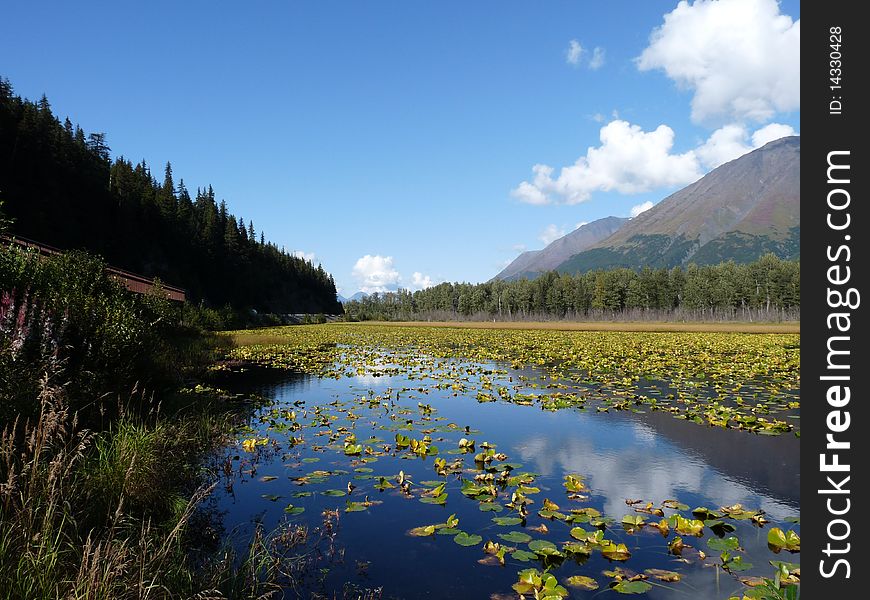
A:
[396, 141]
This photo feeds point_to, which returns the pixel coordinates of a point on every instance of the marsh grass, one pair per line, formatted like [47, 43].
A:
[106, 515]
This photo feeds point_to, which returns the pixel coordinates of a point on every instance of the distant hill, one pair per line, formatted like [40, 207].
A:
[532, 263]
[739, 211]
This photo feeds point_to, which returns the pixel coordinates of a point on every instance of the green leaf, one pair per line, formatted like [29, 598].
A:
[729, 543]
[507, 521]
[516, 537]
[464, 539]
[632, 587]
[422, 531]
[523, 555]
[583, 582]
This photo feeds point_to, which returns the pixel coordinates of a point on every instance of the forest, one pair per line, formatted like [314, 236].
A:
[768, 289]
[60, 187]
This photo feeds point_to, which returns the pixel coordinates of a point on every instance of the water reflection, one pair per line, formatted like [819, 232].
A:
[649, 456]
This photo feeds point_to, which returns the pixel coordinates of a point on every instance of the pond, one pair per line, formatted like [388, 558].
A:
[604, 497]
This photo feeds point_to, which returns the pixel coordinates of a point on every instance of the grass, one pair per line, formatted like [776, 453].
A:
[664, 327]
[108, 515]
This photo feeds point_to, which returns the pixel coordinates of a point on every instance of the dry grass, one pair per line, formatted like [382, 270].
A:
[793, 327]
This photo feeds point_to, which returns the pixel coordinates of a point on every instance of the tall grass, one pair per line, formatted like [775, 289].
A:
[59, 538]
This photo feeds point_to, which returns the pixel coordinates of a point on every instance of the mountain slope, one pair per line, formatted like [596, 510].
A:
[739, 211]
[533, 263]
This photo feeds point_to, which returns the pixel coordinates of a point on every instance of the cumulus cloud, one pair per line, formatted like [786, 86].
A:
[629, 161]
[551, 233]
[309, 256]
[639, 208]
[597, 60]
[573, 53]
[732, 141]
[771, 132]
[420, 281]
[376, 274]
[741, 58]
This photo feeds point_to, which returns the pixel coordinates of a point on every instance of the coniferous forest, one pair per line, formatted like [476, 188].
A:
[60, 187]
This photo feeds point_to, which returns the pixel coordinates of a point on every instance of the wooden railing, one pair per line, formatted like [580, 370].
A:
[132, 281]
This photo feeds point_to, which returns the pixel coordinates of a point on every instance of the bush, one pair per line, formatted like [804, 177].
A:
[65, 315]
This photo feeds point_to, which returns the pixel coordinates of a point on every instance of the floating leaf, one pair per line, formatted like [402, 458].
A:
[632, 587]
[583, 582]
[442, 499]
[662, 575]
[422, 531]
[778, 540]
[464, 539]
[540, 546]
[516, 537]
[507, 521]
[334, 493]
[524, 555]
[729, 543]
[491, 507]
[294, 510]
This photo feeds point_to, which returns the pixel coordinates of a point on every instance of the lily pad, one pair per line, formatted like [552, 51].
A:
[663, 575]
[507, 521]
[778, 540]
[464, 539]
[729, 543]
[523, 555]
[422, 531]
[583, 582]
[632, 587]
[516, 537]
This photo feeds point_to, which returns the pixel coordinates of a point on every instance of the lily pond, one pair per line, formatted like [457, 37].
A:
[399, 462]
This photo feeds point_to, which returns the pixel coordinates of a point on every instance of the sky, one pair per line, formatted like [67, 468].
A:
[402, 144]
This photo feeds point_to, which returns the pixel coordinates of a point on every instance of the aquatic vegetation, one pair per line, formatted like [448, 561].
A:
[393, 444]
[728, 380]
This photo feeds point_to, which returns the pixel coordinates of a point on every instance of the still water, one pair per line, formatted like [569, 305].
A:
[624, 455]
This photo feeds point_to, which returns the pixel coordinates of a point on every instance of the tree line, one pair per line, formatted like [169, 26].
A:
[768, 288]
[62, 188]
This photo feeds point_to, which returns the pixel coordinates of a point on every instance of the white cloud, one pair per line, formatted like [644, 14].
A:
[551, 233]
[732, 141]
[309, 256]
[597, 60]
[771, 132]
[420, 281]
[639, 208]
[629, 161]
[519, 248]
[573, 53]
[580, 224]
[376, 274]
[528, 193]
[741, 58]
[724, 144]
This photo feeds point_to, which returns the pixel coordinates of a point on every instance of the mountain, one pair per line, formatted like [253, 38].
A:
[739, 211]
[357, 296]
[534, 262]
